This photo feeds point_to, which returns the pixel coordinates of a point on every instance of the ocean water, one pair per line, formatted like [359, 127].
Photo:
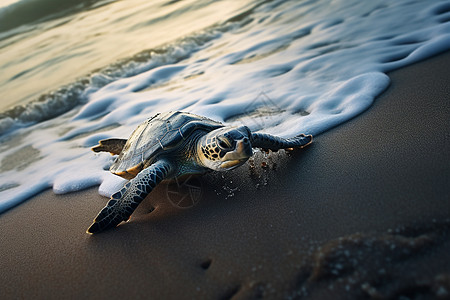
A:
[74, 72]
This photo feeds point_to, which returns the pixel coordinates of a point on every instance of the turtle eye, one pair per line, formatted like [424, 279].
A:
[224, 143]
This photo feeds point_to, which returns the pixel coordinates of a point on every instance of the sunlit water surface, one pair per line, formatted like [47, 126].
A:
[86, 70]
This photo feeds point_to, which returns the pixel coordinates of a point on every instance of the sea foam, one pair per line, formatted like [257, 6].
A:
[284, 67]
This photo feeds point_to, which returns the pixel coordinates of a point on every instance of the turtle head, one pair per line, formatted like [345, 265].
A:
[225, 148]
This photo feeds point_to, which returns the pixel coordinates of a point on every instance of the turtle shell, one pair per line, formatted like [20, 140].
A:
[163, 132]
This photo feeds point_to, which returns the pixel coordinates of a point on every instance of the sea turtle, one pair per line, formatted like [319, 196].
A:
[173, 144]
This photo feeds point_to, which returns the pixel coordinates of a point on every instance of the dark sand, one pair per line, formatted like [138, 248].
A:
[362, 213]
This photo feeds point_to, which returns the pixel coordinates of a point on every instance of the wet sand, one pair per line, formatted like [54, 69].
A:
[361, 213]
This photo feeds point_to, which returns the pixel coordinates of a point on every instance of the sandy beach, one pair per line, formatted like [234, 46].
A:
[361, 213]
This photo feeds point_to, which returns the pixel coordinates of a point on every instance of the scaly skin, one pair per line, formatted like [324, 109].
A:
[125, 201]
[221, 149]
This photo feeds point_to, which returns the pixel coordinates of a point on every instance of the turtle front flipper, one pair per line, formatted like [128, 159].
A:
[267, 141]
[125, 201]
[113, 146]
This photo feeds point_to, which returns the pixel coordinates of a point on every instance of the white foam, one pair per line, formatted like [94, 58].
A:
[313, 64]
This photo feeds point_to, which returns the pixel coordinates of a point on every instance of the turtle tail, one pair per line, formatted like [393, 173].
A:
[123, 203]
[270, 142]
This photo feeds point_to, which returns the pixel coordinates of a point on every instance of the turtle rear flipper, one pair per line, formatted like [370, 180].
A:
[113, 146]
[125, 201]
[268, 141]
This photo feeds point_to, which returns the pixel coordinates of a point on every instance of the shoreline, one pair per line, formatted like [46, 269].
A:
[375, 187]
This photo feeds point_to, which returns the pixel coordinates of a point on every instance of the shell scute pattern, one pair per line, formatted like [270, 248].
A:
[164, 146]
[170, 133]
[158, 134]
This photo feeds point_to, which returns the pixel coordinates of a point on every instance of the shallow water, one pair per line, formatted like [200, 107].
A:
[96, 69]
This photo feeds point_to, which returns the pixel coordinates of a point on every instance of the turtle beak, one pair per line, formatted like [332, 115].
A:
[239, 156]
